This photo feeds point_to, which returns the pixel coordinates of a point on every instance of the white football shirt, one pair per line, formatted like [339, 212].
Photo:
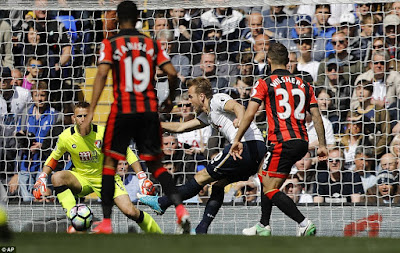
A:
[19, 103]
[195, 137]
[223, 121]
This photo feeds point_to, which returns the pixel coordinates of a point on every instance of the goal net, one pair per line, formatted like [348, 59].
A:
[348, 52]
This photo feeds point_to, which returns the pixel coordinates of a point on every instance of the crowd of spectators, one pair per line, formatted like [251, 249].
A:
[349, 53]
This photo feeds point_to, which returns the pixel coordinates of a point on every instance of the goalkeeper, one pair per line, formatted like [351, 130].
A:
[86, 174]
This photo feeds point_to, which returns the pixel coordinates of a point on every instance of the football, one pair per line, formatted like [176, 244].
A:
[81, 217]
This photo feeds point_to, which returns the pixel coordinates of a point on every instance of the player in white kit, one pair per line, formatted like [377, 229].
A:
[224, 114]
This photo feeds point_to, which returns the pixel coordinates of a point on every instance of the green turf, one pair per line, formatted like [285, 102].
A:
[58, 243]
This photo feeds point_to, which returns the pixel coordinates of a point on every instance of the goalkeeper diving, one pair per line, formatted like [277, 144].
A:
[86, 174]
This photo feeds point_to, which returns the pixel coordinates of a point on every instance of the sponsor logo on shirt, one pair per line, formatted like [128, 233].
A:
[88, 156]
[98, 143]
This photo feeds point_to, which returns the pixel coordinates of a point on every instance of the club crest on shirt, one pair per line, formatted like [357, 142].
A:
[98, 143]
[73, 145]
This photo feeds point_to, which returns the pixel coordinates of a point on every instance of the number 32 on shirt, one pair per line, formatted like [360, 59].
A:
[284, 102]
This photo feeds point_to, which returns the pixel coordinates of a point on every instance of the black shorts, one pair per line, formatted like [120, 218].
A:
[223, 166]
[143, 128]
[280, 157]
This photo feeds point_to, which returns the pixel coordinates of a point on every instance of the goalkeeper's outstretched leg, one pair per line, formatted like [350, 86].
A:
[113, 191]
[66, 185]
[69, 184]
[143, 219]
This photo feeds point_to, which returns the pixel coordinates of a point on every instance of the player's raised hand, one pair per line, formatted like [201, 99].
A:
[322, 153]
[40, 186]
[236, 150]
[145, 184]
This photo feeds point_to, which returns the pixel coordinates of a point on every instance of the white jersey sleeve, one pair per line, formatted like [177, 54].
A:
[219, 100]
[223, 121]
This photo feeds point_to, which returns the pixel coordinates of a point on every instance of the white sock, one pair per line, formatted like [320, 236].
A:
[304, 223]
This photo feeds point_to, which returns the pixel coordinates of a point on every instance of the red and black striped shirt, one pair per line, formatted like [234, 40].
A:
[133, 57]
[287, 98]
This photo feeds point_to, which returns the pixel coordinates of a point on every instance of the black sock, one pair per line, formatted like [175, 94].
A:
[168, 186]
[107, 194]
[266, 209]
[287, 206]
[211, 210]
[188, 190]
[61, 188]
[141, 217]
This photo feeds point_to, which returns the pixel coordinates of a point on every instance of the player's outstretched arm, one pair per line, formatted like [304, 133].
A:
[98, 86]
[248, 117]
[236, 108]
[237, 148]
[180, 127]
[322, 151]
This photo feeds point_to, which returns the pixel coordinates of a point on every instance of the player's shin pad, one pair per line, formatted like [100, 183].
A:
[65, 197]
[149, 225]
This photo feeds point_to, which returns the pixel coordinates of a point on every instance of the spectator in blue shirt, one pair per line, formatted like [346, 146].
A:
[303, 25]
[277, 23]
[323, 30]
[32, 130]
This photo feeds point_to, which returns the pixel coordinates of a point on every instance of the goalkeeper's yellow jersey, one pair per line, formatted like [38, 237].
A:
[85, 151]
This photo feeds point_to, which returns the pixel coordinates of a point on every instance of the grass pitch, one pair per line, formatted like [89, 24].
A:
[140, 243]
